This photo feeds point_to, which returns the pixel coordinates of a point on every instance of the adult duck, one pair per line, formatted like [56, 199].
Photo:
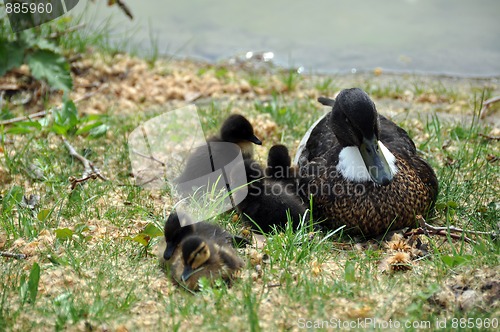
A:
[366, 174]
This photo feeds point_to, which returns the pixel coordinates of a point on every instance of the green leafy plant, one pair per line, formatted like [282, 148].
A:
[29, 288]
[43, 57]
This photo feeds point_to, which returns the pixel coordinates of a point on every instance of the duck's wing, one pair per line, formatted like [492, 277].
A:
[395, 138]
[230, 258]
[317, 141]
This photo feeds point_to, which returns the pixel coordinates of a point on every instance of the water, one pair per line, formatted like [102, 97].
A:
[454, 37]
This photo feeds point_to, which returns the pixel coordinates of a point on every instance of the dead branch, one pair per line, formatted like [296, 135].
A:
[450, 231]
[90, 171]
[422, 231]
[41, 114]
[422, 221]
[490, 138]
[486, 105]
[12, 255]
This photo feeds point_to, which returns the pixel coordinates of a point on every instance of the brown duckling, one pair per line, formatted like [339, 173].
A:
[174, 233]
[202, 257]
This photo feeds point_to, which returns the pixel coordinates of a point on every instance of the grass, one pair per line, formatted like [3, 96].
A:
[95, 245]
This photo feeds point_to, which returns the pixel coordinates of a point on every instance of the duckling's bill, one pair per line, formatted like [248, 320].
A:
[188, 272]
[169, 250]
[254, 139]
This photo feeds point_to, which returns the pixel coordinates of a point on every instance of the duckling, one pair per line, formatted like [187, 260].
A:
[372, 178]
[174, 233]
[268, 202]
[236, 135]
[202, 257]
[237, 129]
[279, 166]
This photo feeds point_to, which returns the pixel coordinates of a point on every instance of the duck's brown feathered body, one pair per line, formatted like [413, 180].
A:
[345, 193]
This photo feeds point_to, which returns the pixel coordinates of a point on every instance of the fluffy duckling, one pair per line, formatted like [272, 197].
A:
[371, 177]
[202, 257]
[217, 153]
[174, 233]
[279, 166]
[268, 202]
[237, 129]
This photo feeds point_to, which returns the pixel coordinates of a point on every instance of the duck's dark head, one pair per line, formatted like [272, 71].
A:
[237, 129]
[195, 253]
[354, 121]
[174, 232]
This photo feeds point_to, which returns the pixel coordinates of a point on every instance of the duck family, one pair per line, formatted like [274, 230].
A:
[357, 168]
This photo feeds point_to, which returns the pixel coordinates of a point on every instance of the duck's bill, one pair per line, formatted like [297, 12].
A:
[375, 162]
[255, 140]
[169, 251]
[188, 272]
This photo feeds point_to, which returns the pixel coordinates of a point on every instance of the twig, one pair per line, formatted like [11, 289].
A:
[11, 255]
[420, 231]
[125, 9]
[486, 105]
[273, 285]
[450, 231]
[149, 157]
[451, 228]
[41, 114]
[89, 172]
[74, 181]
[491, 138]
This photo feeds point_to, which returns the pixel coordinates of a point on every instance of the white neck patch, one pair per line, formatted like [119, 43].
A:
[353, 168]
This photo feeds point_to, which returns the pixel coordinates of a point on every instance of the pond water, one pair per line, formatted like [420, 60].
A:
[454, 37]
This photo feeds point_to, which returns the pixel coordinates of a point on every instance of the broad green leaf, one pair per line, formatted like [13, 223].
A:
[33, 281]
[61, 130]
[98, 131]
[11, 56]
[66, 118]
[88, 128]
[24, 127]
[64, 234]
[453, 261]
[43, 214]
[44, 44]
[140, 238]
[152, 230]
[45, 64]
[16, 130]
